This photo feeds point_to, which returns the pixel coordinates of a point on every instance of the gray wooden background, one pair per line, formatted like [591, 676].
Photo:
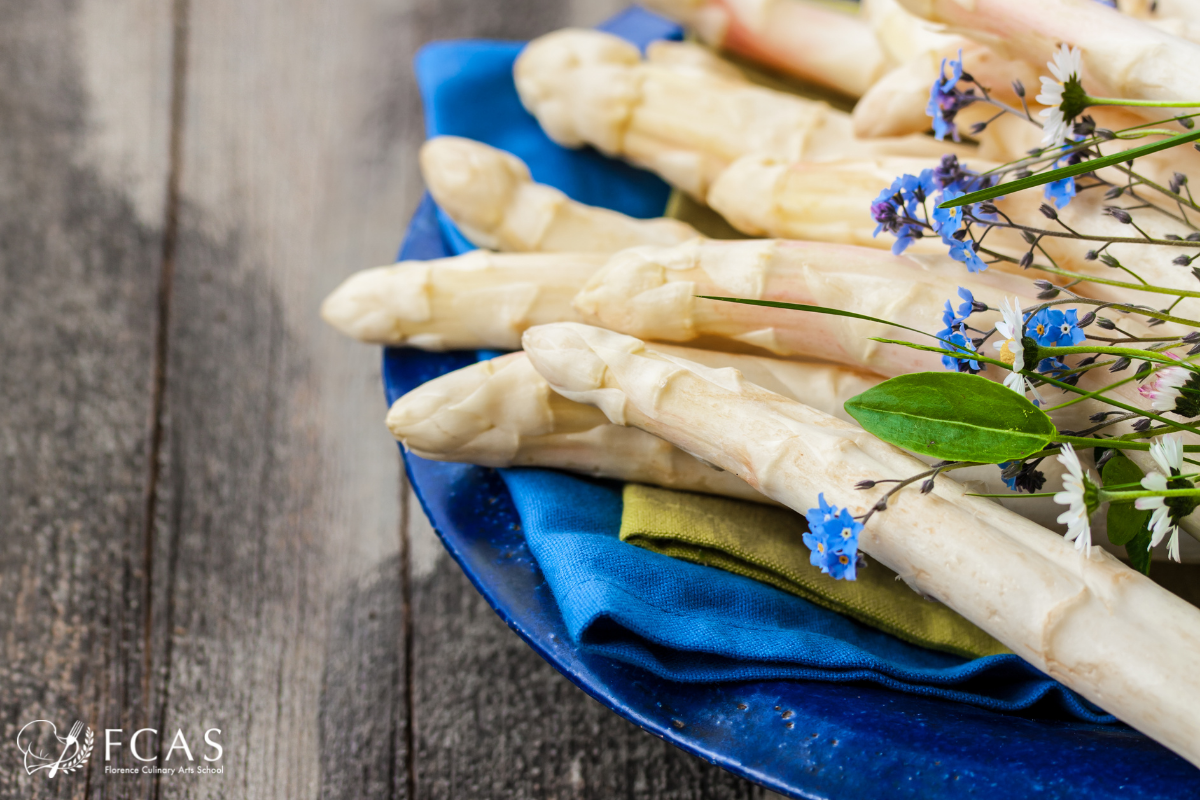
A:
[204, 522]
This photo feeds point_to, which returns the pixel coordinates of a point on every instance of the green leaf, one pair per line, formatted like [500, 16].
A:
[1069, 171]
[953, 416]
[1138, 550]
[1124, 521]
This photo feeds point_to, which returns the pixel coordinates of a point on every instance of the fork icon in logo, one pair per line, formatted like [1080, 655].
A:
[36, 739]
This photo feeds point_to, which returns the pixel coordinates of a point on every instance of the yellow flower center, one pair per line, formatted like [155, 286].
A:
[1007, 355]
[844, 559]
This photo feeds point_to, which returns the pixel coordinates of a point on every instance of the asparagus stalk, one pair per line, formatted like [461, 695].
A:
[495, 203]
[657, 294]
[502, 413]
[479, 299]
[1090, 622]
[831, 202]
[823, 202]
[816, 43]
[685, 124]
[1122, 57]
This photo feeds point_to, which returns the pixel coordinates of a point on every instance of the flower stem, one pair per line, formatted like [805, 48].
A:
[1119, 496]
[1128, 352]
[1115, 444]
[1117, 101]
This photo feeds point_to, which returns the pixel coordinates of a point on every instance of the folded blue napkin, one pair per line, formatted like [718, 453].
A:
[681, 621]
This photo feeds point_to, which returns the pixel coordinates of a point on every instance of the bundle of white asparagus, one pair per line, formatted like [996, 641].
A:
[754, 406]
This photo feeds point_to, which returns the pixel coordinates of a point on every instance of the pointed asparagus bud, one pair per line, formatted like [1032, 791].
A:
[495, 203]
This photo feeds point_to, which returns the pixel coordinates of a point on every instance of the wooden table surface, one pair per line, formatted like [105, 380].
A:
[205, 523]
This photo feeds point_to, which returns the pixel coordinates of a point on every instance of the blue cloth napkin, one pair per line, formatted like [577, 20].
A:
[696, 624]
[467, 89]
[681, 621]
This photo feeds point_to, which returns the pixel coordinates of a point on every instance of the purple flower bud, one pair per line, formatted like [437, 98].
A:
[1090, 255]
[865, 485]
[1084, 321]
[1114, 193]
[1105, 134]
[1048, 211]
[1018, 88]
[1106, 323]
[1119, 214]
[927, 486]
[1141, 425]
[1122, 364]
[1026, 260]
[1182, 261]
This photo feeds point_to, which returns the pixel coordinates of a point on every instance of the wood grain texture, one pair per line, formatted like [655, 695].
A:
[205, 524]
[80, 251]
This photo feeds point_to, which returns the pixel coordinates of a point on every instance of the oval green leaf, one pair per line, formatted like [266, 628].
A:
[953, 416]
[1127, 525]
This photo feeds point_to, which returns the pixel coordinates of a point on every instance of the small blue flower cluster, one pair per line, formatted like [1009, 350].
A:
[900, 209]
[896, 209]
[1051, 327]
[954, 333]
[946, 99]
[833, 539]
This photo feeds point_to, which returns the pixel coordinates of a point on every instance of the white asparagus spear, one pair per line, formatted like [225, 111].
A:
[831, 202]
[896, 104]
[813, 42]
[1090, 622]
[685, 124]
[1122, 57]
[493, 200]
[479, 299]
[502, 413]
[656, 293]
[828, 201]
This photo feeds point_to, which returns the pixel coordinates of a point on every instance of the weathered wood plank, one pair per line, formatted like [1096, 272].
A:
[279, 517]
[84, 120]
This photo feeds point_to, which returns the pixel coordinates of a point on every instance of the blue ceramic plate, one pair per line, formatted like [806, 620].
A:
[802, 739]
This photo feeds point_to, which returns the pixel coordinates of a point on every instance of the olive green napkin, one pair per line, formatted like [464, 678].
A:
[764, 543]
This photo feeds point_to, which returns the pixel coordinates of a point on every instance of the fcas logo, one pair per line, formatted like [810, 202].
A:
[44, 749]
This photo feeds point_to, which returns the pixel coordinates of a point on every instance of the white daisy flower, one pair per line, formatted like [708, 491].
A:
[1074, 495]
[1010, 326]
[1160, 520]
[1167, 453]
[1163, 391]
[1065, 67]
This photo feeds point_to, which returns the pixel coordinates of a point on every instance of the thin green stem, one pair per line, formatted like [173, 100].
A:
[1115, 444]
[1128, 352]
[1117, 101]
[1106, 496]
